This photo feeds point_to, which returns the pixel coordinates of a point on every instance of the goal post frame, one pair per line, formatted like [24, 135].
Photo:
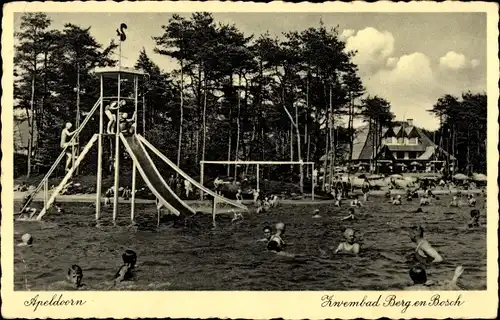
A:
[257, 163]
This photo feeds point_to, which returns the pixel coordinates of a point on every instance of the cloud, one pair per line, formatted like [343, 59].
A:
[474, 63]
[373, 48]
[347, 33]
[410, 86]
[453, 60]
[392, 62]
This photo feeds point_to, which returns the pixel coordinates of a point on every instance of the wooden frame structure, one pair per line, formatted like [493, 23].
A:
[257, 163]
[118, 74]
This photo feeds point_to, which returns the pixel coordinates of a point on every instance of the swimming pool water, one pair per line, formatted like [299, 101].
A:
[195, 257]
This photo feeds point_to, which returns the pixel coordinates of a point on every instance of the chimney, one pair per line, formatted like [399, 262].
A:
[410, 122]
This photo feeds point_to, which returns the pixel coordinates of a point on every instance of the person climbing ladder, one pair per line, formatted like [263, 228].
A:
[66, 136]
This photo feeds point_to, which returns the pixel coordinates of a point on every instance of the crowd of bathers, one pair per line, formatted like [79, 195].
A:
[424, 255]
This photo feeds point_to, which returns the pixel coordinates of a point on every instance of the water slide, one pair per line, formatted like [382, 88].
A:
[153, 178]
[187, 177]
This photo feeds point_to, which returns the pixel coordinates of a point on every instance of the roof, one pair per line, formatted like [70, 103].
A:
[124, 72]
[429, 152]
[406, 147]
[359, 142]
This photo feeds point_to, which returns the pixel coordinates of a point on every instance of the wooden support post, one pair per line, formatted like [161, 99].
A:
[99, 156]
[134, 169]
[214, 210]
[202, 173]
[258, 177]
[117, 152]
[313, 181]
[45, 192]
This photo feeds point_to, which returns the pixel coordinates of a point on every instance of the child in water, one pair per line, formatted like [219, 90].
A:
[349, 246]
[474, 221]
[396, 201]
[267, 234]
[356, 203]
[126, 271]
[472, 200]
[454, 202]
[276, 243]
[26, 240]
[420, 282]
[73, 280]
[350, 215]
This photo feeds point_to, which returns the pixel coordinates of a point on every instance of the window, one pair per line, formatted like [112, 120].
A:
[401, 154]
[414, 140]
[413, 155]
[400, 140]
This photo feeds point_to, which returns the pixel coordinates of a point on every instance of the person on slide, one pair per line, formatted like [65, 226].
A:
[424, 252]
[420, 282]
[66, 136]
[349, 246]
[110, 112]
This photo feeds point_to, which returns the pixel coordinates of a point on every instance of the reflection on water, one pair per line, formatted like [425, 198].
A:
[195, 257]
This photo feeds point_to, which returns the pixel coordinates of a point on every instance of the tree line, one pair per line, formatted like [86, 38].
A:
[232, 97]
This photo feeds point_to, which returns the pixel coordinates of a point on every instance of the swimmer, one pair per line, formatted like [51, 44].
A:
[349, 246]
[454, 202]
[316, 214]
[59, 208]
[267, 234]
[26, 240]
[356, 203]
[107, 196]
[365, 189]
[338, 203]
[266, 204]
[420, 282]
[237, 216]
[73, 280]
[474, 221]
[274, 201]
[396, 201]
[276, 243]
[425, 201]
[387, 195]
[350, 215]
[424, 252]
[472, 201]
[126, 271]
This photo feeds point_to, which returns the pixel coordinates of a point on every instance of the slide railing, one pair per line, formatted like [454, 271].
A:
[63, 152]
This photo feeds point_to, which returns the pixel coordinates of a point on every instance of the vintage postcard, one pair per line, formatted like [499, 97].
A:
[246, 160]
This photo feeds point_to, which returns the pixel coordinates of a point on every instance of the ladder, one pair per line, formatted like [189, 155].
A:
[61, 156]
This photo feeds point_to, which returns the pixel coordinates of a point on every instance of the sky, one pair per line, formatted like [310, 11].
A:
[410, 59]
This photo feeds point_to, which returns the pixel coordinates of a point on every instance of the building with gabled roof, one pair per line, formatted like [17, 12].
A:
[401, 143]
